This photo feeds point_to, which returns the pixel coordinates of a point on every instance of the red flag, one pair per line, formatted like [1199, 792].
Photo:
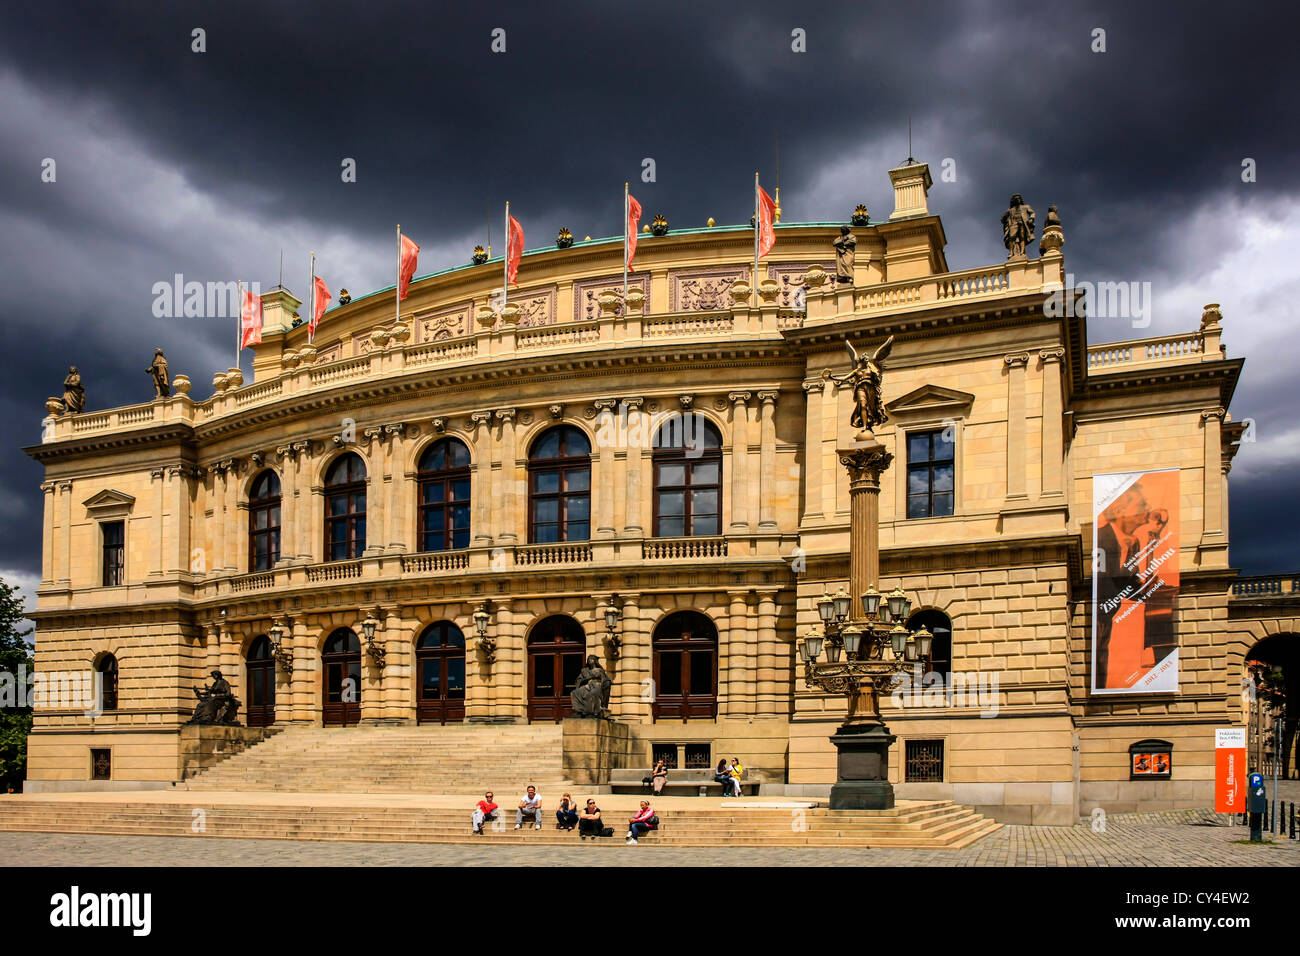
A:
[322, 300]
[406, 269]
[514, 249]
[633, 220]
[250, 319]
[766, 223]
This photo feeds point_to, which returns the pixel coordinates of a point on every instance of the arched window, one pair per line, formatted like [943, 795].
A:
[264, 522]
[685, 666]
[559, 486]
[557, 647]
[107, 668]
[444, 496]
[688, 477]
[440, 670]
[939, 624]
[341, 656]
[345, 508]
[259, 668]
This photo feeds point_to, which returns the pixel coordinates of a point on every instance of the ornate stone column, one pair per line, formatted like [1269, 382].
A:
[1053, 426]
[1016, 365]
[482, 476]
[635, 666]
[812, 505]
[732, 670]
[767, 462]
[158, 478]
[1211, 492]
[304, 503]
[47, 533]
[865, 463]
[605, 490]
[767, 704]
[509, 522]
[215, 539]
[236, 529]
[287, 458]
[65, 533]
[399, 492]
[638, 426]
[179, 538]
[739, 452]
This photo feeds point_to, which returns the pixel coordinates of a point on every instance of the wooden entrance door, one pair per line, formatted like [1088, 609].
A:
[440, 674]
[685, 667]
[342, 665]
[556, 648]
[260, 670]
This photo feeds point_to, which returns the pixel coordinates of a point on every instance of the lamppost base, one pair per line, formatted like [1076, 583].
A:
[862, 768]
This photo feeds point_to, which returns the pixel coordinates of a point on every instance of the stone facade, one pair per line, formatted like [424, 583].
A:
[1033, 410]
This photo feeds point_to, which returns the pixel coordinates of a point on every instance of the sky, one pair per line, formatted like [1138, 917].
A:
[212, 164]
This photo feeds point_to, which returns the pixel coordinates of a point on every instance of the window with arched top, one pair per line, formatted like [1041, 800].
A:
[939, 660]
[264, 521]
[687, 455]
[443, 481]
[259, 671]
[107, 668]
[557, 647]
[685, 645]
[559, 486]
[345, 508]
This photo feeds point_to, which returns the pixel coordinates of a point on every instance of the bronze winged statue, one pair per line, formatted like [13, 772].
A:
[865, 380]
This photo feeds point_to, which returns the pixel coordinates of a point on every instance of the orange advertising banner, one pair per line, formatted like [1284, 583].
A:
[1135, 578]
[1230, 770]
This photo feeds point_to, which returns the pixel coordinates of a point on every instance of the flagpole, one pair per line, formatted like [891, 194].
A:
[505, 262]
[758, 225]
[311, 314]
[239, 321]
[398, 314]
[626, 223]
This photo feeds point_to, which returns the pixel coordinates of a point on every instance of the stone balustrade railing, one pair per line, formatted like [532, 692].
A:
[676, 549]
[391, 354]
[1163, 350]
[1276, 585]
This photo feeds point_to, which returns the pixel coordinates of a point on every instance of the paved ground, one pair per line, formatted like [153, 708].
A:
[1183, 838]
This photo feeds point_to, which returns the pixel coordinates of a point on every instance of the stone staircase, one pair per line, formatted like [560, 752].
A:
[911, 824]
[422, 759]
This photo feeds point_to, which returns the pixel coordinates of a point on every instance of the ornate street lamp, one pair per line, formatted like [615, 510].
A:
[279, 653]
[612, 641]
[487, 646]
[376, 651]
[871, 638]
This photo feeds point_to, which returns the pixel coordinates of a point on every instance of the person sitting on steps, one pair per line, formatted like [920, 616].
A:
[589, 822]
[484, 812]
[529, 807]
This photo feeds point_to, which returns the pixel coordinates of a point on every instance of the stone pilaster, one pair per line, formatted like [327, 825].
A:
[606, 411]
[47, 532]
[481, 491]
[1053, 451]
[767, 461]
[639, 427]
[739, 454]
[1016, 365]
[508, 524]
[812, 504]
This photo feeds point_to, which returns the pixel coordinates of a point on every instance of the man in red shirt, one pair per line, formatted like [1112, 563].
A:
[484, 811]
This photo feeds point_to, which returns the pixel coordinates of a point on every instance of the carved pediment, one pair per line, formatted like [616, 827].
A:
[932, 400]
[108, 503]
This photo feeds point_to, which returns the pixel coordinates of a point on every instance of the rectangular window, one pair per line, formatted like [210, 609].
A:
[114, 534]
[101, 764]
[930, 474]
[698, 757]
[923, 761]
[665, 752]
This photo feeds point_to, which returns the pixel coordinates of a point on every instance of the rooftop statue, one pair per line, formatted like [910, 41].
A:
[1017, 227]
[158, 372]
[846, 247]
[74, 396]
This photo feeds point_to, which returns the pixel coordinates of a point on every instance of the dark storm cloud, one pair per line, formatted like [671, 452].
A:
[209, 164]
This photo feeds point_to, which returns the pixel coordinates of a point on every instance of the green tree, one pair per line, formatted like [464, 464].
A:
[16, 660]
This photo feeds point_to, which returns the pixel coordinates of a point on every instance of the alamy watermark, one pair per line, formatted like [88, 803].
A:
[179, 299]
[1101, 300]
[53, 690]
[977, 690]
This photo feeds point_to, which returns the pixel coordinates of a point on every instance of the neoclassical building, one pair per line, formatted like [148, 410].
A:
[433, 518]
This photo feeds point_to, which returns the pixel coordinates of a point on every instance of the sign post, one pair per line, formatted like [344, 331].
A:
[1230, 770]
